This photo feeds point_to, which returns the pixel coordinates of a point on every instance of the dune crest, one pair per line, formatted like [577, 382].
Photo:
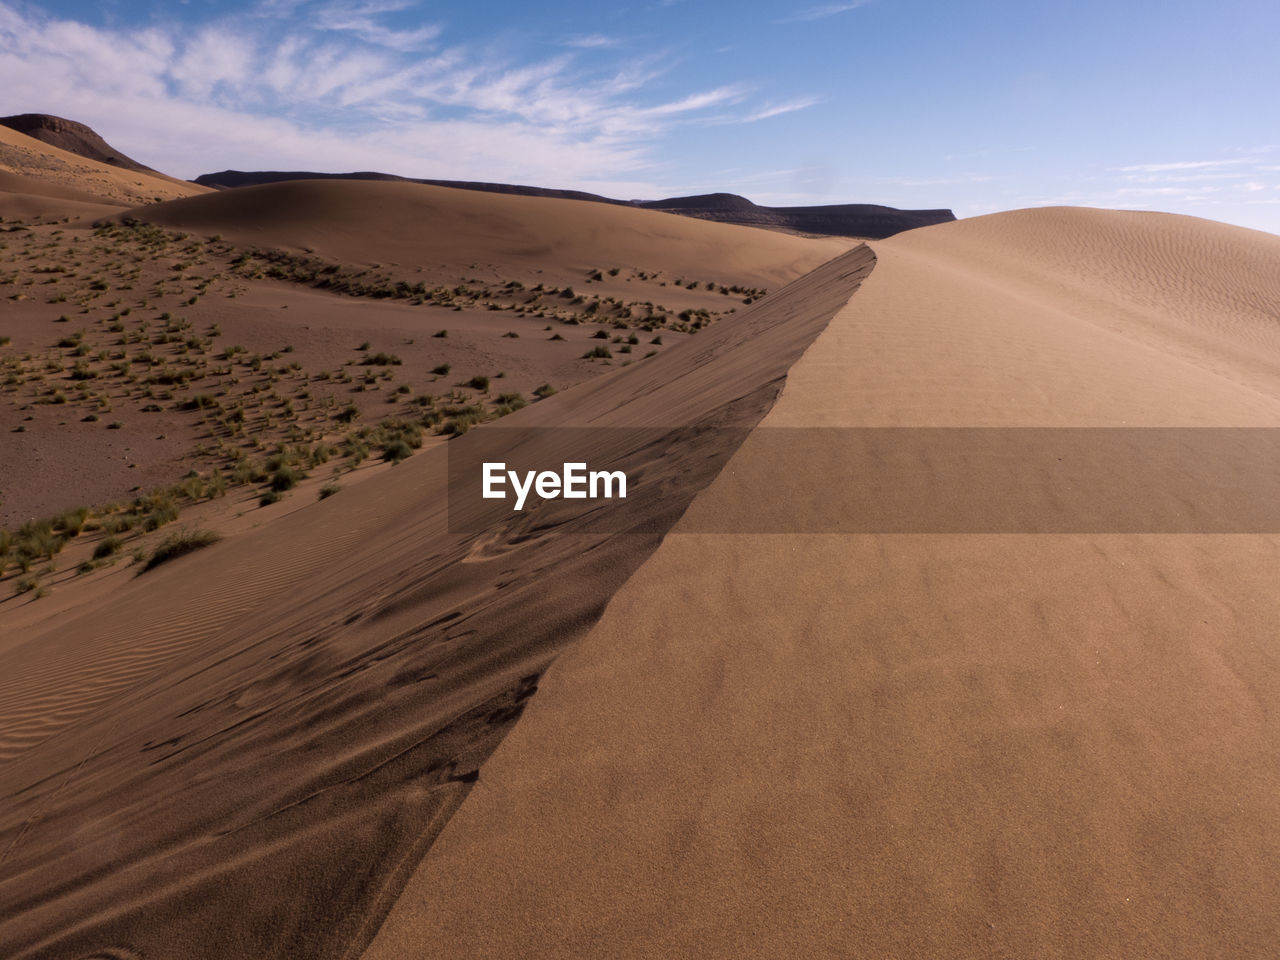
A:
[834, 745]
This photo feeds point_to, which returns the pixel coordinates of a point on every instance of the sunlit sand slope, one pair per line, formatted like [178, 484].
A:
[1053, 746]
[28, 157]
[245, 753]
[409, 224]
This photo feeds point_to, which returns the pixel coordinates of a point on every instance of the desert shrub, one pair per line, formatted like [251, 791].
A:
[71, 522]
[107, 546]
[544, 391]
[285, 477]
[357, 450]
[178, 543]
[162, 512]
[509, 403]
[248, 471]
[457, 426]
[441, 370]
[396, 450]
[328, 490]
[600, 351]
[479, 382]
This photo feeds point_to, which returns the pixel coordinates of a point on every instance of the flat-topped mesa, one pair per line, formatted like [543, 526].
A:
[74, 138]
[869, 220]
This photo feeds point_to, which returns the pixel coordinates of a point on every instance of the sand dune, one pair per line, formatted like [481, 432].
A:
[861, 220]
[24, 198]
[920, 745]
[303, 706]
[31, 158]
[818, 744]
[75, 138]
[426, 227]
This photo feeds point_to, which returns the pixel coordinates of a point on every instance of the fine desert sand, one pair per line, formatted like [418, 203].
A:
[341, 728]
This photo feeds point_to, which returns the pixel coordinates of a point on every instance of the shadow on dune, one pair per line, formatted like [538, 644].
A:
[245, 754]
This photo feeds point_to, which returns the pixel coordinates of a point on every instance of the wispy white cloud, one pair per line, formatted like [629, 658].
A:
[361, 20]
[778, 109]
[1222, 186]
[822, 12]
[1179, 165]
[592, 41]
[340, 89]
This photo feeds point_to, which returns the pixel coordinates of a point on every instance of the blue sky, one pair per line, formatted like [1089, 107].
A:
[977, 106]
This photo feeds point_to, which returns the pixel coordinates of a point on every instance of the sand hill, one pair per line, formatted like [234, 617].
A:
[945, 746]
[74, 138]
[52, 164]
[410, 224]
[282, 314]
[310, 701]
[351, 732]
[862, 220]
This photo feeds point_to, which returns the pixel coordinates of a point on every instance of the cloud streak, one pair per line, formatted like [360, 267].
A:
[822, 12]
[339, 87]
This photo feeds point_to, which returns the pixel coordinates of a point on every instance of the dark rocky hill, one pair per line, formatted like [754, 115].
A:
[74, 138]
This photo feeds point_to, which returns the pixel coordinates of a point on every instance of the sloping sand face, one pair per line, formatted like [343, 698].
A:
[921, 745]
[59, 169]
[356, 221]
[246, 753]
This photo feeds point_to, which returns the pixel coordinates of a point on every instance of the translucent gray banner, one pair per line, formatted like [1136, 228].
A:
[871, 480]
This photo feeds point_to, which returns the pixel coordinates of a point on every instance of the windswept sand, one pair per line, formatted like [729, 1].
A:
[921, 745]
[244, 754]
[979, 745]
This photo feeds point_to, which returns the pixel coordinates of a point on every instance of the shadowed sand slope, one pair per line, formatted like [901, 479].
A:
[407, 223]
[246, 752]
[921, 745]
[29, 157]
[23, 198]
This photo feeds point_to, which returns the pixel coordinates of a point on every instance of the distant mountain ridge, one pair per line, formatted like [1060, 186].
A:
[841, 220]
